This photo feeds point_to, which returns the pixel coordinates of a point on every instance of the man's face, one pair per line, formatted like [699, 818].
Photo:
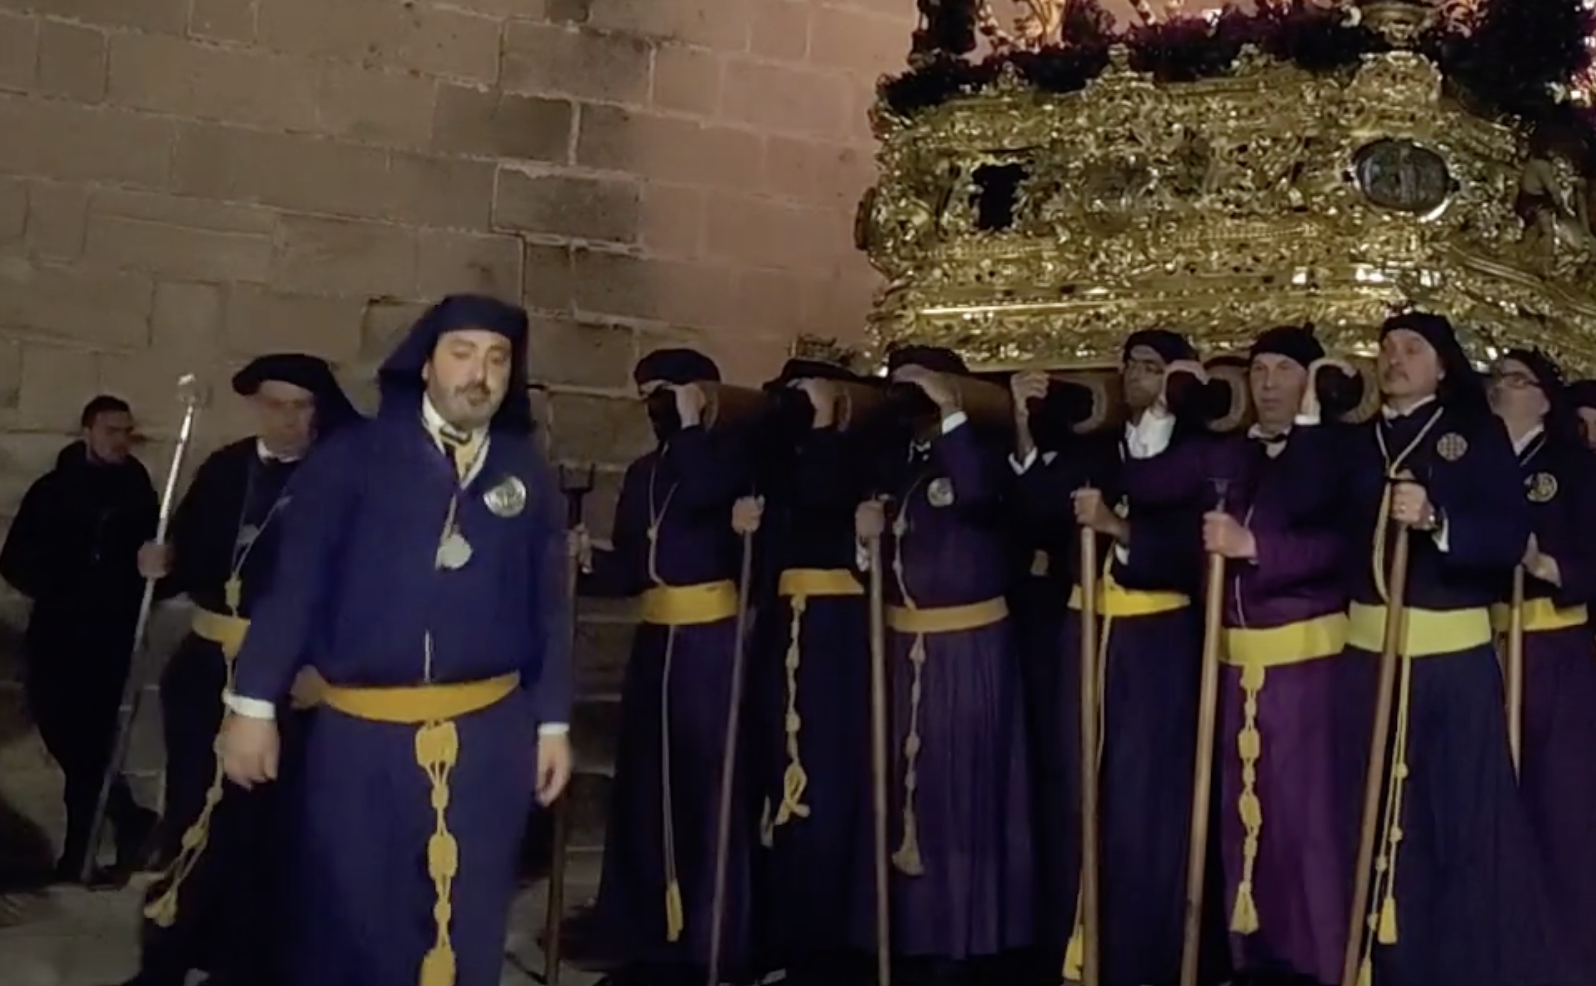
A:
[285, 417]
[1515, 393]
[1277, 383]
[109, 436]
[1409, 366]
[1143, 375]
[468, 375]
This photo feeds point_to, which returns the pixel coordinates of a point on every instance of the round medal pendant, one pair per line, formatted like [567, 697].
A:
[454, 552]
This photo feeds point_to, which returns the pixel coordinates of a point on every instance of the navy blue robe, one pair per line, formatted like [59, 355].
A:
[674, 547]
[363, 599]
[1467, 903]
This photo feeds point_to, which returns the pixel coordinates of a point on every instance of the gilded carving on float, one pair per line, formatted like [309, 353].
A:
[1029, 228]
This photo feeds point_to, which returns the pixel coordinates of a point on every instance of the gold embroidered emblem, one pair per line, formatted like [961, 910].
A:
[1452, 446]
[940, 492]
[1542, 487]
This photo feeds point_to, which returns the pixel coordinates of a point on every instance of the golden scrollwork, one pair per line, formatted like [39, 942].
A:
[1024, 227]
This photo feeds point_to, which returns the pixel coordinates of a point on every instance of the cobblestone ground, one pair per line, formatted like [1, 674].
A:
[74, 937]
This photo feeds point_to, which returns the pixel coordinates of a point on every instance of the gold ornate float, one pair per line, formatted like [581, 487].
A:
[1027, 228]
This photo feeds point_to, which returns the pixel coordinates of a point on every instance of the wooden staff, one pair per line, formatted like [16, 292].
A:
[728, 765]
[1089, 740]
[1203, 769]
[576, 491]
[1514, 661]
[878, 764]
[1373, 785]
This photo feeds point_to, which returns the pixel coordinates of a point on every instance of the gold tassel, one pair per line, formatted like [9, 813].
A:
[1366, 973]
[1244, 916]
[1387, 935]
[1075, 956]
[437, 752]
[907, 858]
[675, 920]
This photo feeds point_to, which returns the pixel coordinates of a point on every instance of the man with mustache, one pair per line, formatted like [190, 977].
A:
[218, 887]
[675, 548]
[962, 880]
[1285, 752]
[1457, 892]
[428, 552]
[1557, 773]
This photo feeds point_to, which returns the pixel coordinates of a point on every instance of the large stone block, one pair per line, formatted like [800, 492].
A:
[167, 16]
[383, 324]
[367, 104]
[450, 262]
[419, 37]
[259, 320]
[780, 29]
[337, 256]
[56, 383]
[767, 233]
[19, 47]
[581, 354]
[682, 152]
[74, 143]
[864, 44]
[495, 124]
[191, 238]
[13, 209]
[710, 23]
[671, 220]
[223, 20]
[10, 372]
[686, 80]
[787, 99]
[585, 427]
[93, 307]
[817, 172]
[548, 58]
[57, 219]
[72, 62]
[169, 75]
[582, 208]
[632, 286]
[187, 318]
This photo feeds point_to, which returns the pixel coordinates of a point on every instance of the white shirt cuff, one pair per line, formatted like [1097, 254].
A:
[1440, 533]
[554, 729]
[953, 421]
[861, 556]
[1122, 554]
[249, 708]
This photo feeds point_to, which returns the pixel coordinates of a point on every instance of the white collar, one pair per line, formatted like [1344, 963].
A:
[1525, 440]
[265, 454]
[437, 426]
[1391, 415]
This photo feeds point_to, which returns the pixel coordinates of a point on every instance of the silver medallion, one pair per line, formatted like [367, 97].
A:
[454, 551]
[506, 499]
[940, 492]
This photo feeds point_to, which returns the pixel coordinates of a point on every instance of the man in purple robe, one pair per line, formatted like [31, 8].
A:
[811, 673]
[1457, 889]
[675, 549]
[216, 899]
[1148, 505]
[1557, 771]
[1288, 789]
[960, 829]
[423, 579]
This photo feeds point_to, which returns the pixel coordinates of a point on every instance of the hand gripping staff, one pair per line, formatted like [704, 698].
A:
[1374, 779]
[192, 395]
[1203, 769]
[878, 763]
[576, 484]
[1090, 733]
[728, 765]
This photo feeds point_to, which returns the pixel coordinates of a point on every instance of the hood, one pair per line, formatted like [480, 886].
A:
[400, 381]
